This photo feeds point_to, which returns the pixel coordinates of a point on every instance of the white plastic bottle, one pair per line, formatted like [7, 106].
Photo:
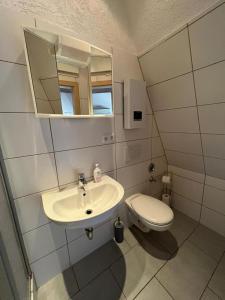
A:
[97, 173]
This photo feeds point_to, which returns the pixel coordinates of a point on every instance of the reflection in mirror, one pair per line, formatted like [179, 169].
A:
[69, 77]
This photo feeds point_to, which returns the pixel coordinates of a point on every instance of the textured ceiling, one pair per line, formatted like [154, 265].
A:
[101, 22]
[134, 25]
[151, 20]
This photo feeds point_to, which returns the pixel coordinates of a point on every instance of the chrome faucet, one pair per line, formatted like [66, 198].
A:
[82, 182]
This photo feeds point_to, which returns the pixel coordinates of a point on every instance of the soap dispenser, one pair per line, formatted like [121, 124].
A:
[97, 173]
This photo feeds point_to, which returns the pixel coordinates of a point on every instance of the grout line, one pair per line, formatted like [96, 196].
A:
[55, 250]
[209, 10]
[213, 292]
[188, 178]
[13, 62]
[182, 132]
[189, 23]
[163, 41]
[71, 266]
[56, 167]
[153, 118]
[164, 288]
[216, 267]
[186, 153]
[195, 92]
[188, 199]
[168, 79]
[173, 108]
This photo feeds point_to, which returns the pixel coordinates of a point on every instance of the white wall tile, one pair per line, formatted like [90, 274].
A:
[50, 265]
[15, 88]
[79, 133]
[23, 134]
[215, 182]
[186, 161]
[82, 246]
[214, 145]
[11, 35]
[169, 59]
[31, 174]
[188, 207]
[188, 188]
[154, 130]
[178, 120]
[155, 187]
[132, 134]
[188, 143]
[74, 233]
[199, 177]
[215, 167]
[210, 84]
[118, 97]
[133, 175]
[212, 118]
[72, 162]
[157, 148]
[125, 66]
[207, 38]
[30, 212]
[214, 199]
[139, 188]
[174, 93]
[132, 152]
[213, 220]
[43, 240]
[160, 165]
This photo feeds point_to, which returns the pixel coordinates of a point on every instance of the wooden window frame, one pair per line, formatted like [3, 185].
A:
[75, 93]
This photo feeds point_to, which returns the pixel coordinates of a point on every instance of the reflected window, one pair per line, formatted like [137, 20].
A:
[66, 94]
[102, 100]
[70, 99]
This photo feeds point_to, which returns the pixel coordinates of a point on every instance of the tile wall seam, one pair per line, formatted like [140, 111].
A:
[13, 62]
[196, 99]
[186, 153]
[214, 7]
[186, 198]
[215, 211]
[153, 116]
[149, 86]
[186, 73]
[187, 178]
[80, 148]
[49, 253]
[69, 258]
[53, 146]
[182, 132]
[157, 44]
[177, 31]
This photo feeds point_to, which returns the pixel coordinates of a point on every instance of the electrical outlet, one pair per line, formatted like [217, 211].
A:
[108, 138]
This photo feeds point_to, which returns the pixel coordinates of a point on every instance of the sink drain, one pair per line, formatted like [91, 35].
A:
[88, 211]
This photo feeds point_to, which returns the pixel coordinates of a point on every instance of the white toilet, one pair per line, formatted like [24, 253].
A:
[149, 213]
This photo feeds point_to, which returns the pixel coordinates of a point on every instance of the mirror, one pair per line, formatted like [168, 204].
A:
[69, 77]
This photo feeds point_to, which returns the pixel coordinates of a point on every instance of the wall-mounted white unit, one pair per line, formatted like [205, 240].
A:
[134, 103]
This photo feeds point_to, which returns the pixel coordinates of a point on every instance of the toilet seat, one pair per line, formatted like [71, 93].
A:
[151, 211]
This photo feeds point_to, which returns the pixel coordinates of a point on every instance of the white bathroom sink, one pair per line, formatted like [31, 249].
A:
[74, 209]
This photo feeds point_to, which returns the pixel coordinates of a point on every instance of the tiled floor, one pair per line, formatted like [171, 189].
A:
[187, 262]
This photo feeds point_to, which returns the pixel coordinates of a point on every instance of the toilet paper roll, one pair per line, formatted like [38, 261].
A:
[166, 199]
[166, 179]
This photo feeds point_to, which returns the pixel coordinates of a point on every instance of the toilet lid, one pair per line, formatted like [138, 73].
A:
[152, 209]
